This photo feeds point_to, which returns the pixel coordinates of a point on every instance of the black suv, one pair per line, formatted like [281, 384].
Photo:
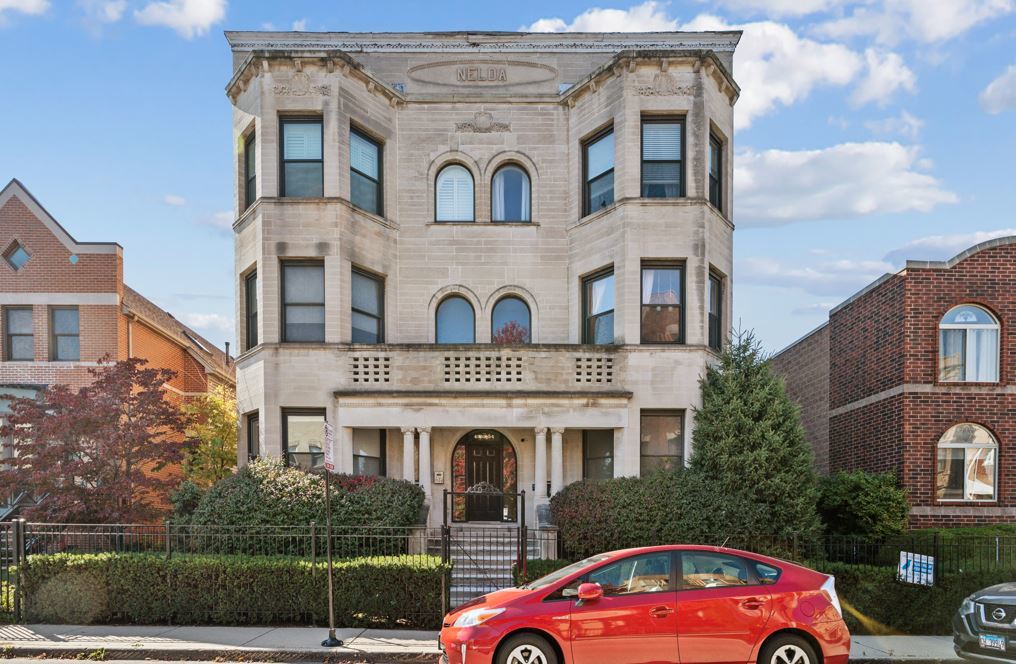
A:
[984, 629]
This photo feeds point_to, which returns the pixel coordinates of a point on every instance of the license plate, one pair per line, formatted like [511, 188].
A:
[992, 642]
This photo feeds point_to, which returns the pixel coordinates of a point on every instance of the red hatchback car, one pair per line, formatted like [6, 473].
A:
[656, 605]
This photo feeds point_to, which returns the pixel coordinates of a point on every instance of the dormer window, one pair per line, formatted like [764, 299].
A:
[16, 255]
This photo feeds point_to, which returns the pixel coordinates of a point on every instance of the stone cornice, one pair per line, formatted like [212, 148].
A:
[481, 42]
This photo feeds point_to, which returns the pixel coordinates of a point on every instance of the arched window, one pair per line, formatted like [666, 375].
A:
[967, 464]
[510, 322]
[456, 323]
[968, 345]
[509, 195]
[454, 194]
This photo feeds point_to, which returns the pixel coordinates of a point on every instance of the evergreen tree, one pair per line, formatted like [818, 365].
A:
[749, 448]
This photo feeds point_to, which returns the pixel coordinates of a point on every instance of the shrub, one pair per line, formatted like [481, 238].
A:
[536, 569]
[395, 591]
[266, 493]
[186, 499]
[870, 505]
[874, 602]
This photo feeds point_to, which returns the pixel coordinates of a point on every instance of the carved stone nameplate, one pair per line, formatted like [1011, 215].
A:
[483, 123]
[482, 73]
[299, 86]
[664, 85]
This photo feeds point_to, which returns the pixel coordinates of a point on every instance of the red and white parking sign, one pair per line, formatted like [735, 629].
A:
[329, 448]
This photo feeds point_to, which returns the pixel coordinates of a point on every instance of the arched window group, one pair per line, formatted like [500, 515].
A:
[510, 194]
[511, 321]
[967, 464]
[968, 345]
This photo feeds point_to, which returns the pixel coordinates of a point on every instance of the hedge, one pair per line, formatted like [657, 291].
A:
[395, 591]
[536, 569]
[863, 504]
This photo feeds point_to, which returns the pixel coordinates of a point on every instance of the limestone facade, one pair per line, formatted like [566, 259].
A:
[479, 101]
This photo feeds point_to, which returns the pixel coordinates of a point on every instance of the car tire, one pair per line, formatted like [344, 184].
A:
[787, 649]
[523, 648]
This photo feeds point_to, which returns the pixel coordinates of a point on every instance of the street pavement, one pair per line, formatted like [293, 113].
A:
[297, 644]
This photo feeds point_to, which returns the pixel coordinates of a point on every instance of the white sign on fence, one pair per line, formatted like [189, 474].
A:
[916, 568]
[329, 448]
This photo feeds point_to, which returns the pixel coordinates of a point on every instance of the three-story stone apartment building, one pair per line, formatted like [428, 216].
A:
[492, 261]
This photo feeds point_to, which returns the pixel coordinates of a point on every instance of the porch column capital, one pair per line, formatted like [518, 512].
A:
[422, 430]
[557, 431]
[541, 431]
[406, 430]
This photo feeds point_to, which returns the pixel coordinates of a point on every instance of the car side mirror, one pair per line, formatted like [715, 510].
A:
[590, 592]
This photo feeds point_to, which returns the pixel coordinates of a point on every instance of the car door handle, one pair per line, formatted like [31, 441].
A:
[660, 611]
[754, 603]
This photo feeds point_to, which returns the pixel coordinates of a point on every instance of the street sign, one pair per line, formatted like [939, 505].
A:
[916, 568]
[329, 448]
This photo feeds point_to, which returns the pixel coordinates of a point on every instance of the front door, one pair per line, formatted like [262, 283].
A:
[484, 482]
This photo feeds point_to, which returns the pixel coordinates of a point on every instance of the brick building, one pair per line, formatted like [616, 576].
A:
[492, 261]
[64, 307]
[916, 374]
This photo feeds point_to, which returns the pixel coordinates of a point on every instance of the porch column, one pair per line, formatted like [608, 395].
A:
[425, 475]
[407, 454]
[540, 481]
[556, 460]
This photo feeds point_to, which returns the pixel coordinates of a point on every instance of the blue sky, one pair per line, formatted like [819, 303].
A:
[868, 132]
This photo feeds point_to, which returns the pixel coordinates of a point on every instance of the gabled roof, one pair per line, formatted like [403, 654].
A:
[14, 188]
[205, 352]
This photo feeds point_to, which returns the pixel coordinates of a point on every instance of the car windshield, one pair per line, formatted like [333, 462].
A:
[554, 577]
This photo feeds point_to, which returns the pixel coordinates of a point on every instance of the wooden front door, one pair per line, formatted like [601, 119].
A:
[484, 482]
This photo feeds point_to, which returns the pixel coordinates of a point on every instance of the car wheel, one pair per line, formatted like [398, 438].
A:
[787, 649]
[528, 649]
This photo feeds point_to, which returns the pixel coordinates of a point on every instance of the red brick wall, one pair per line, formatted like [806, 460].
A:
[868, 438]
[165, 353]
[49, 269]
[867, 344]
[805, 370]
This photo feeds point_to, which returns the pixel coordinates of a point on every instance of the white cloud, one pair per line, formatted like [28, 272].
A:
[103, 11]
[222, 221]
[300, 25]
[189, 18]
[813, 309]
[775, 8]
[885, 73]
[776, 67]
[174, 200]
[840, 277]
[926, 21]
[843, 181]
[1000, 95]
[30, 7]
[201, 321]
[941, 247]
[650, 16]
[904, 124]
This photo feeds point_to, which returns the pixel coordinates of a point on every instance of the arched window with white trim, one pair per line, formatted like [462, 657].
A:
[456, 321]
[454, 194]
[967, 464]
[509, 194]
[968, 346]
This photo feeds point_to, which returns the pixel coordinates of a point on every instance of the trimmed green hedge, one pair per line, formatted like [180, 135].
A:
[395, 591]
[875, 603]
[537, 568]
[863, 504]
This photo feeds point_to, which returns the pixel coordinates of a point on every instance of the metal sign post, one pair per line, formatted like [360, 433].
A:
[331, 641]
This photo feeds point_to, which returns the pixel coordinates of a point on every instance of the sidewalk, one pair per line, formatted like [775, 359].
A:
[292, 644]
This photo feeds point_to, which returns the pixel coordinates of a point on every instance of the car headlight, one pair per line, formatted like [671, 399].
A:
[476, 617]
[967, 607]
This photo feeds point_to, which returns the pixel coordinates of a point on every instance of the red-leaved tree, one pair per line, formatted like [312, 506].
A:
[93, 454]
[511, 333]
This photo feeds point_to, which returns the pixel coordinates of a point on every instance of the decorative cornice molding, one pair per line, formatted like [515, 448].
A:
[519, 42]
[483, 123]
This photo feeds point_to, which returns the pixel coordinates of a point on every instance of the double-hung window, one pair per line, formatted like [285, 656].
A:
[968, 345]
[598, 308]
[65, 344]
[662, 303]
[597, 454]
[302, 167]
[715, 296]
[662, 154]
[303, 304]
[303, 437]
[454, 194]
[20, 342]
[368, 308]
[364, 172]
[716, 172]
[369, 451]
[662, 437]
[253, 436]
[598, 164]
[249, 172]
[967, 467]
[250, 298]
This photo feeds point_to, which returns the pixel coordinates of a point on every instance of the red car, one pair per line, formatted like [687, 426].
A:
[656, 605]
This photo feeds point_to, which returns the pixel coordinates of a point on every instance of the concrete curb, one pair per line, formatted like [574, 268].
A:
[221, 655]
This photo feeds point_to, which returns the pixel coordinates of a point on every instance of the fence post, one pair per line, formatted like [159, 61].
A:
[20, 559]
[939, 572]
[313, 548]
[446, 555]
[169, 539]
